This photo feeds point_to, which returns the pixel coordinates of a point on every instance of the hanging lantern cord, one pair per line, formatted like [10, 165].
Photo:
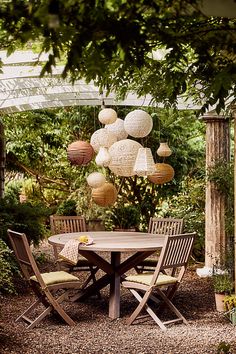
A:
[102, 100]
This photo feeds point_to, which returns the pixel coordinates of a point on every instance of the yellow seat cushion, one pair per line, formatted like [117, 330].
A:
[56, 277]
[145, 278]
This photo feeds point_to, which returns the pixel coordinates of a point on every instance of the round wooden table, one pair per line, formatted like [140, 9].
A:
[137, 245]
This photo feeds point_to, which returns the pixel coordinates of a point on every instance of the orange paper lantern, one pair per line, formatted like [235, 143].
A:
[80, 153]
[105, 195]
[164, 173]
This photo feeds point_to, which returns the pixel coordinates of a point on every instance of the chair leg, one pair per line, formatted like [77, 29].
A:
[172, 307]
[142, 303]
[57, 307]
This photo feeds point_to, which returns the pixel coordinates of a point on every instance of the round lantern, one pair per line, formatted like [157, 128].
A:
[123, 155]
[80, 152]
[107, 116]
[102, 137]
[103, 157]
[105, 195]
[164, 150]
[117, 129]
[164, 173]
[138, 123]
[96, 179]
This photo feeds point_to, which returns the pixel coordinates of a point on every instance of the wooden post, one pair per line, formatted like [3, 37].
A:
[217, 148]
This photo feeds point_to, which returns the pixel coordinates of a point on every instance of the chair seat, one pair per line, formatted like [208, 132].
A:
[149, 262]
[56, 277]
[145, 278]
[82, 261]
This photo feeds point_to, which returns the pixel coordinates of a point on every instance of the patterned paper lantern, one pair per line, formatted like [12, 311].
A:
[123, 155]
[164, 150]
[96, 179]
[80, 152]
[144, 163]
[117, 129]
[138, 123]
[164, 173]
[105, 195]
[103, 157]
[102, 137]
[107, 116]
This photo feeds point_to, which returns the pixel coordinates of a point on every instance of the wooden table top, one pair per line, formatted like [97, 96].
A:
[113, 241]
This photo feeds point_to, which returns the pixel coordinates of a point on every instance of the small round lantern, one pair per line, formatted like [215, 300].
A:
[138, 123]
[107, 116]
[96, 179]
[164, 173]
[102, 137]
[164, 150]
[117, 129]
[105, 195]
[123, 155]
[80, 153]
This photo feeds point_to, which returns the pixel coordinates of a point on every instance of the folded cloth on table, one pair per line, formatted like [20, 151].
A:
[70, 252]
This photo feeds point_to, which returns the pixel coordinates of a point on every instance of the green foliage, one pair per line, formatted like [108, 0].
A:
[123, 216]
[222, 175]
[189, 204]
[67, 207]
[224, 348]
[164, 48]
[222, 283]
[6, 266]
[23, 218]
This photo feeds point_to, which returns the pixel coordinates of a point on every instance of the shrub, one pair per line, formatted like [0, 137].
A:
[67, 207]
[25, 217]
[7, 267]
[124, 216]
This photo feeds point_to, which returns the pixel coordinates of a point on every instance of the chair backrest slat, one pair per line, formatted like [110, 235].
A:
[63, 224]
[24, 256]
[175, 254]
[165, 226]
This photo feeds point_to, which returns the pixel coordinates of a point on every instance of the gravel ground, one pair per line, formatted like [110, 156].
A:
[96, 333]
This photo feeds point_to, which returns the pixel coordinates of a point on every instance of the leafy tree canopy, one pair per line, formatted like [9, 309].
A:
[115, 42]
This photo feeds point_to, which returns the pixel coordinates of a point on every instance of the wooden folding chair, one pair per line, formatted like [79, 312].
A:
[160, 226]
[61, 224]
[174, 256]
[44, 285]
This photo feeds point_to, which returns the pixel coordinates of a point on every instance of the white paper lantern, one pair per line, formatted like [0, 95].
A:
[107, 116]
[103, 157]
[164, 150]
[138, 123]
[144, 163]
[123, 155]
[96, 179]
[117, 129]
[102, 137]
